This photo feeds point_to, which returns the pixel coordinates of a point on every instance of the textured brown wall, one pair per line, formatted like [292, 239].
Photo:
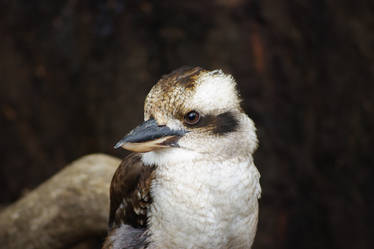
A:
[74, 74]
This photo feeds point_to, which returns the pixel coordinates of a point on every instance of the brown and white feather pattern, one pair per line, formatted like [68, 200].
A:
[129, 201]
[202, 193]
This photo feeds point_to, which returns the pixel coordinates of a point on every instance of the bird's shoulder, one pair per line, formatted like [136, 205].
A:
[130, 193]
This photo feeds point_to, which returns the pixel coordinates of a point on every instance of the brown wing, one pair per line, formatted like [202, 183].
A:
[130, 193]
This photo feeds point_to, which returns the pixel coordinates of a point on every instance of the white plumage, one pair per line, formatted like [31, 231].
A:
[205, 186]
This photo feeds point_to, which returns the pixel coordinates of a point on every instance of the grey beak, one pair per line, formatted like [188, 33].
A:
[149, 132]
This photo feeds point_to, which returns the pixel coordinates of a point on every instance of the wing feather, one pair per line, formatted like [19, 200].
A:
[129, 201]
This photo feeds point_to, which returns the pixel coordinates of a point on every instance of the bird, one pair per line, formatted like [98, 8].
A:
[190, 180]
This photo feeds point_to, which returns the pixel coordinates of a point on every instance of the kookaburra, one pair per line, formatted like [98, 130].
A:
[191, 181]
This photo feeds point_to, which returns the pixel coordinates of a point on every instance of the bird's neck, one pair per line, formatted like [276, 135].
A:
[203, 203]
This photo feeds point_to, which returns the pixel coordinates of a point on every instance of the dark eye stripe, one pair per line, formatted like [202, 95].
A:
[225, 123]
[220, 125]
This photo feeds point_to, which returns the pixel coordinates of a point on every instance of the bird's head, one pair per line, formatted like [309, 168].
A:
[197, 111]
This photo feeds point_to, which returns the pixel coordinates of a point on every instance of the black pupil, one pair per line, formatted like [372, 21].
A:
[192, 116]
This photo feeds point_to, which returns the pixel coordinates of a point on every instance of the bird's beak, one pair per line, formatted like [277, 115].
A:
[150, 136]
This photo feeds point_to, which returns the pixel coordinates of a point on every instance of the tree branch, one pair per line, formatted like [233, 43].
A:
[68, 208]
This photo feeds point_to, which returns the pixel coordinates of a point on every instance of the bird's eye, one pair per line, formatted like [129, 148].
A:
[192, 118]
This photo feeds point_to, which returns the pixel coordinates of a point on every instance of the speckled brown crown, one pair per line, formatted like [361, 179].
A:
[167, 96]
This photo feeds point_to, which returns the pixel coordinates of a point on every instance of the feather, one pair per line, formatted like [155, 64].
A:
[129, 202]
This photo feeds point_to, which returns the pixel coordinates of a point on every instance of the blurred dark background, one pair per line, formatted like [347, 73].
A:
[74, 75]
